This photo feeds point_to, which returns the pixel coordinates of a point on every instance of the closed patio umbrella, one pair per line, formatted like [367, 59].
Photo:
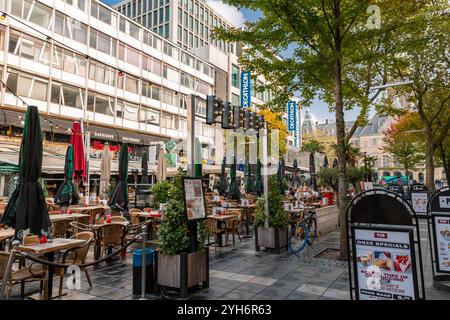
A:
[105, 171]
[144, 168]
[119, 199]
[233, 192]
[27, 208]
[79, 161]
[66, 194]
[258, 184]
[325, 162]
[250, 181]
[223, 186]
[281, 175]
[161, 168]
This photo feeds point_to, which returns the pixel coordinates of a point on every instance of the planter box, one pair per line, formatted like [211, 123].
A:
[275, 238]
[182, 271]
[327, 219]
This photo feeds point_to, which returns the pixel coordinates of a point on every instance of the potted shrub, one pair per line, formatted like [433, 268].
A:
[276, 234]
[160, 193]
[176, 265]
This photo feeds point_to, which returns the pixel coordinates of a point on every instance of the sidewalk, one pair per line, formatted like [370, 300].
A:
[239, 272]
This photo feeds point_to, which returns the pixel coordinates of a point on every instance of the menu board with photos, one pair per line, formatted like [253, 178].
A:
[441, 226]
[419, 201]
[194, 199]
[384, 264]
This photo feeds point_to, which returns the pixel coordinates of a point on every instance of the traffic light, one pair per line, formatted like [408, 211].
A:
[248, 119]
[227, 116]
[239, 118]
[213, 109]
[259, 122]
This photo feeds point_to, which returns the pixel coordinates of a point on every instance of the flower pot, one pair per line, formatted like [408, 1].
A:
[274, 238]
[182, 271]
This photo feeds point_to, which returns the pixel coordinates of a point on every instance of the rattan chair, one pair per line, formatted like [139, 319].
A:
[60, 228]
[215, 232]
[76, 256]
[110, 236]
[22, 274]
[118, 219]
[231, 225]
[96, 214]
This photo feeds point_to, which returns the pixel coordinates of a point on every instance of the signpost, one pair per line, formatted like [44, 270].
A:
[384, 254]
[439, 235]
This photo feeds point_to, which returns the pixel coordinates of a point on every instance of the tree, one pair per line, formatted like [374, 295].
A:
[404, 151]
[313, 147]
[335, 55]
[425, 61]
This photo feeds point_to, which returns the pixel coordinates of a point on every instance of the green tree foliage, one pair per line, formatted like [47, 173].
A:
[404, 150]
[160, 191]
[277, 216]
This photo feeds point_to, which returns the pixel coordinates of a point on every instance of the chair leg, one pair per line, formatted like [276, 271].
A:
[61, 280]
[22, 290]
[239, 235]
[233, 238]
[8, 291]
[88, 277]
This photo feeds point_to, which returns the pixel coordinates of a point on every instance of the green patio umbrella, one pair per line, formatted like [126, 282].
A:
[233, 192]
[26, 207]
[250, 182]
[119, 199]
[66, 194]
[325, 162]
[223, 185]
[258, 183]
[198, 167]
[281, 175]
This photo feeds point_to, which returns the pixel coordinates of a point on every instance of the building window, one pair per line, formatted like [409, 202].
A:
[260, 93]
[235, 79]
[235, 99]
[148, 115]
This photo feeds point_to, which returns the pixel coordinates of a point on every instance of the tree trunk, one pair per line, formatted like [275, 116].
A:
[429, 159]
[445, 163]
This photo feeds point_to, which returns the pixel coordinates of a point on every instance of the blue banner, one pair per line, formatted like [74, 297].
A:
[246, 97]
[292, 116]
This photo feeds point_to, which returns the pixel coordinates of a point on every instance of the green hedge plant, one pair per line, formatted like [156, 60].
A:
[278, 217]
[160, 193]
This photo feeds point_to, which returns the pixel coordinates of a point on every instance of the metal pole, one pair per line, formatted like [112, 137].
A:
[266, 176]
[11, 259]
[191, 137]
[144, 263]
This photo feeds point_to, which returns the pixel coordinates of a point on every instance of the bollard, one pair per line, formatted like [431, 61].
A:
[5, 278]
[144, 263]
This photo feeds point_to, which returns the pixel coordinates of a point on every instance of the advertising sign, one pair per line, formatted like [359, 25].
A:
[246, 96]
[384, 263]
[441, 228]
[292, 116]
[170, 145]
[368, 185]
[419, 201]
[171, 159]
[152, 154]
[444, 202]
[194, 199]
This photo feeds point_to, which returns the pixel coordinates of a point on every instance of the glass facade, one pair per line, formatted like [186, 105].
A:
[120, 78]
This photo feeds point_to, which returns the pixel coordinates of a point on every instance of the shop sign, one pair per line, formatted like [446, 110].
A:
[246, 96]
[292, 116]
[384, 263]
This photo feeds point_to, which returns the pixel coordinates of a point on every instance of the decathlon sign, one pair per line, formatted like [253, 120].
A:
[292, 116]
[246, 97]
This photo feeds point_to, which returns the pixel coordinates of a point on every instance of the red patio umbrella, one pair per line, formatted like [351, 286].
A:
[79, 161]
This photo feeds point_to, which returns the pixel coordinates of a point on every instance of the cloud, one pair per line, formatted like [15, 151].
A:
[230, 13]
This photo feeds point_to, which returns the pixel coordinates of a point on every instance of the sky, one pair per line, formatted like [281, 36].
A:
[238, 17]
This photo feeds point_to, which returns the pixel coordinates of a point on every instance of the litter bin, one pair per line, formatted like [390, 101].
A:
[137, 271]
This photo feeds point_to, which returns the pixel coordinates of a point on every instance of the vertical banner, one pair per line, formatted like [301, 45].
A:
[246, 97]
[297, 130]
[292, 116]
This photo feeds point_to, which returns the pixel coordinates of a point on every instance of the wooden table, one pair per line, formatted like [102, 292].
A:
[48, 250]
[5, 234]
[247, 220]
[67, 216]
[89, 208]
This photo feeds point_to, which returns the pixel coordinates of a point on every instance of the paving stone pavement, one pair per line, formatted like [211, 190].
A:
[240, 273]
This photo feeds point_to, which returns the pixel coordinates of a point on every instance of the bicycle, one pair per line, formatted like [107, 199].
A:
[303, 231]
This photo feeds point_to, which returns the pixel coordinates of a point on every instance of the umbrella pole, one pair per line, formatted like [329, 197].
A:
[87, 142]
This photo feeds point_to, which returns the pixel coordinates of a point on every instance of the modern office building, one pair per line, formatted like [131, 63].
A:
[190, 24]
[81, 59]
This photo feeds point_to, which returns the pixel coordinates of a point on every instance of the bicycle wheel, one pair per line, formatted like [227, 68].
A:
[312, 230]
[298, 238]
